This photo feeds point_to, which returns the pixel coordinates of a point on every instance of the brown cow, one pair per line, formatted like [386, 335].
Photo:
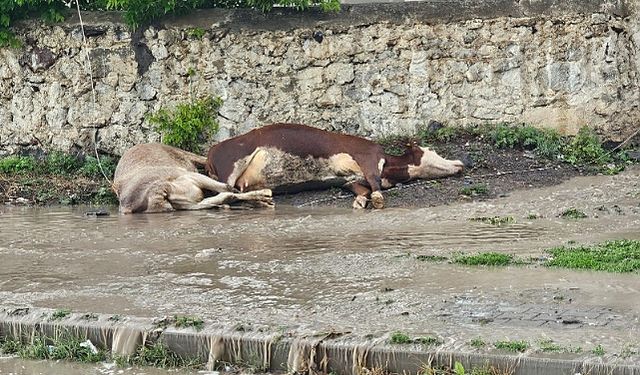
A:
[290, 157]
[159, 178]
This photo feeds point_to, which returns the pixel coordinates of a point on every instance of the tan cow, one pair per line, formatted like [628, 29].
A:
[159, 178]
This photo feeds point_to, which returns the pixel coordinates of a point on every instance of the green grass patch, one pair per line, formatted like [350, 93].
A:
[474, 190]
[157, 355]
[598, 350]
[534, 216]
[60, 314]
[477, 343]
[17, 164]
[548, 346]
[484, 259]
[573, 213]
[613, 256]
[400, 338]
[64, 348]
[512, 346]
[494, 220]
[188, 321]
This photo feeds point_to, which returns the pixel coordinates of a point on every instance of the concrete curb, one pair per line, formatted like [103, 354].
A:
[327, 352]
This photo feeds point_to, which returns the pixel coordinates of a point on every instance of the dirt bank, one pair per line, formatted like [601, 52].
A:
[495, 172]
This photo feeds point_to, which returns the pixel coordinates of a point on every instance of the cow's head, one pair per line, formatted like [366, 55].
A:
[148, 198]
[428, 164]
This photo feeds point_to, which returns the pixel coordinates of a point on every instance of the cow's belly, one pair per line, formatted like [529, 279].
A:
[284, 172]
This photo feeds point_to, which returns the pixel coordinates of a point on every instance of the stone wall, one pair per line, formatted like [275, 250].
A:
[373, 70]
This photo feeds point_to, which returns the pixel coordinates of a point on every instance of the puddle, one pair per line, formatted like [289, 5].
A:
[318, 269]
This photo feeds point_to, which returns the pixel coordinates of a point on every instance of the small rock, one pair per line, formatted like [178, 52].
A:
[21, 200]
[98, 212]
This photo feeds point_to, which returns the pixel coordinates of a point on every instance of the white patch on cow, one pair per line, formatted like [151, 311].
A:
[344, 165]
[386, 184]
[381, 164]
[433, 165]
[271, 167]
[252, 178]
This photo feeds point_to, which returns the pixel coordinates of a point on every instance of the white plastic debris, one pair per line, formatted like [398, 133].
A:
[88, 344]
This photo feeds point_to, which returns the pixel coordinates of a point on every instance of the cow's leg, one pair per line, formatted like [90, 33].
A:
[362, 193]
[205, 183]
[261, 198]
[372, 168]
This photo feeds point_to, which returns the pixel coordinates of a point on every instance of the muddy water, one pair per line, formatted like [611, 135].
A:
[14, 366]
[310, 269]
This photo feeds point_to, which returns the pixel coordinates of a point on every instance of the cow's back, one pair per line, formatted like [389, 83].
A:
[297, 140]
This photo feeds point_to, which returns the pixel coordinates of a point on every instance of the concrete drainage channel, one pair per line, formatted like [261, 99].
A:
[274, 352]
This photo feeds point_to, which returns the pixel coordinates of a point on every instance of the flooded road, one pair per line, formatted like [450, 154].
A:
[320, 269]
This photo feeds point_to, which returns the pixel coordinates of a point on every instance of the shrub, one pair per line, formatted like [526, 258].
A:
[586, 148]
[17, 164]
[189, 124]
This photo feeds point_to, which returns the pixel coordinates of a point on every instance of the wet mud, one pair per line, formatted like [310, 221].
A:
[301, 272]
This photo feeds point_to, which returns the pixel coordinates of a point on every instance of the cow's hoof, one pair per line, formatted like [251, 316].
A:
[360, 202]
[377, 199]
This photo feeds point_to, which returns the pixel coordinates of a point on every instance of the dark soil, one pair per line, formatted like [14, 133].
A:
[495, 172]
[54, 190]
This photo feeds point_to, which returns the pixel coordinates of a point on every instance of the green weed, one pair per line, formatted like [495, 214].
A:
[156, 355]
[533, 216]
[586, 148]
[477, 343]
[513, 346]
[91, 166]
[549, 346]
[190, 124]
[612, 256]
[196, 32]
[544, 142]
[188, 321]
[598, 350]
[573, 213]
[17, 164]
[495, 220]
[484, 259]
[59, 163]
[474, 190]
[60, 314]
[400, 338]
[65, 348]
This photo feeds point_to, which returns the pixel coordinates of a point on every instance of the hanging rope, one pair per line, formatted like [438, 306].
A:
[93, 92]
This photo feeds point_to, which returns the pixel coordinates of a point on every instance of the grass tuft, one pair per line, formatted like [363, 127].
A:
[60, 314]
[613, 256]
[400, 338]
[474, 190]
[573, 213]
[188, 321]
[477, 343]
[513, 346]
[484, 259]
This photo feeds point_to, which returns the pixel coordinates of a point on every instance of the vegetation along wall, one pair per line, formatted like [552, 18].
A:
[371, 69]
